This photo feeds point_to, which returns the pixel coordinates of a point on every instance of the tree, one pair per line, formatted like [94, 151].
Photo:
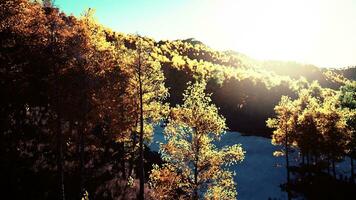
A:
[56, 65]
[347, 100]
[148, 86]
[195, 167]
[331, 123]
[284, 125]
[307, 137]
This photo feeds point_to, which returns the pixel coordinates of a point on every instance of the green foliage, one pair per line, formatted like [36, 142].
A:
[348, 96]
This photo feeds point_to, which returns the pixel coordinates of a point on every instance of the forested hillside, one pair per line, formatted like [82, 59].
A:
[80, 102]
[248, 99]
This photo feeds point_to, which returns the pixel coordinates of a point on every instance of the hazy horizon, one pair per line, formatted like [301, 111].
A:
[316, 32]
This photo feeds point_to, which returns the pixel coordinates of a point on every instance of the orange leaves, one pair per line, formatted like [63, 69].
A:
[165, 181]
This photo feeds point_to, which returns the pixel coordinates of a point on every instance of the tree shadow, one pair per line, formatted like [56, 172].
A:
[309, 182]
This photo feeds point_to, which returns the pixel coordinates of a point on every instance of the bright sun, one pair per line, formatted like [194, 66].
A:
[320, 32]
[268, 29]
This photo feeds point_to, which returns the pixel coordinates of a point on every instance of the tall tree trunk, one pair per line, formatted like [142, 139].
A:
[123, 161]
[82, 129]
[141, 172]
[352, 170]
[57, 101]
[131, 162]
[60, 159]
[287, 158]
[287, 164]
[196, 172]
[195, 193]
[309, 163]
[334, 170]
[81, 159]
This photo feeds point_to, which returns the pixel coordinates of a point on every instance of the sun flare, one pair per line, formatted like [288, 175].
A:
[304, 31]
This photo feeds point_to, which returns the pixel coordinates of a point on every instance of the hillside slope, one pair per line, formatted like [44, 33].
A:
[245, 103]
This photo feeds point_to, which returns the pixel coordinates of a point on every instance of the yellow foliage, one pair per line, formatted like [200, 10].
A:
[191, 156]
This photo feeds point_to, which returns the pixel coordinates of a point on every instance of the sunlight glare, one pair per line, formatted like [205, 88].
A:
[275, 29]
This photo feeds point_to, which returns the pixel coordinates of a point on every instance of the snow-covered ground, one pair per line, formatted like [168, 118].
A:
[259, 176]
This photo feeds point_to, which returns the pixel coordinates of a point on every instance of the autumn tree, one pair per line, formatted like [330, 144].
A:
[284, 125]
[195, 168]
[307, 137]
[331, 123]
[147, 84]
[54, 68]
[347, 100]
[314, 124]
[33, 38]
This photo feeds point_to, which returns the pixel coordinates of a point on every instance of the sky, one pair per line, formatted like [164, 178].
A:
[319, 32]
